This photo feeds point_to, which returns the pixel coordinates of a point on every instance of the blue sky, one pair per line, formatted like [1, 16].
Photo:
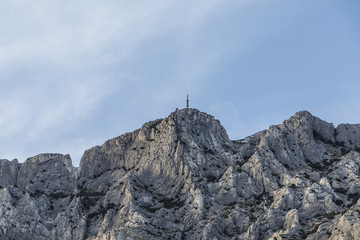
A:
[76, 73]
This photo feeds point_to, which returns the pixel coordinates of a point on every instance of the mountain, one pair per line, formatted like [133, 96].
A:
[182, 178]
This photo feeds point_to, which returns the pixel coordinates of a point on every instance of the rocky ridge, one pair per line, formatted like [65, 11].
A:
[182, 178]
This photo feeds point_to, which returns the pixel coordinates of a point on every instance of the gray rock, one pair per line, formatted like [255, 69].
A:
[348, 135]
[8, 172]
[182, 178]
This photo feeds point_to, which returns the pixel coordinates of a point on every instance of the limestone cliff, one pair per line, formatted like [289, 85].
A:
[182, 178]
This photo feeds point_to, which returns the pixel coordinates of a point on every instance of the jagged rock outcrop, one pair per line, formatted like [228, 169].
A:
[182, 178]
[8, 172]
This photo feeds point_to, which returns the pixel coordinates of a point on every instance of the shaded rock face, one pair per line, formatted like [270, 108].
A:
[8, 172]
[182, 178]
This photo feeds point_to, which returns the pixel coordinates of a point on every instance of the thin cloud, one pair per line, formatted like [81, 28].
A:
[61, 59]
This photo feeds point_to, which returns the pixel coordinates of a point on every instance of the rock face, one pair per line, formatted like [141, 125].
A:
[182, 178]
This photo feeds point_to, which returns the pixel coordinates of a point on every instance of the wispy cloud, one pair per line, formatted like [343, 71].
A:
[74, 73]
[61, 59]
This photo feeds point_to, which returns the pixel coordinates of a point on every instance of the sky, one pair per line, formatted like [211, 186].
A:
[74, 73]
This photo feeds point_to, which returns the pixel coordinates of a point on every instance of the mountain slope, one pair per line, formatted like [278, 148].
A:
[182, 178]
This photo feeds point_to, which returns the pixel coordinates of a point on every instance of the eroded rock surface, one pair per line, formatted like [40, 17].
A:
[182, 178]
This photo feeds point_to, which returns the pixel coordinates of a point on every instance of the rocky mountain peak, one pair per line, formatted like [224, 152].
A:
[181, 177]
[203, 128]
[169, 149]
